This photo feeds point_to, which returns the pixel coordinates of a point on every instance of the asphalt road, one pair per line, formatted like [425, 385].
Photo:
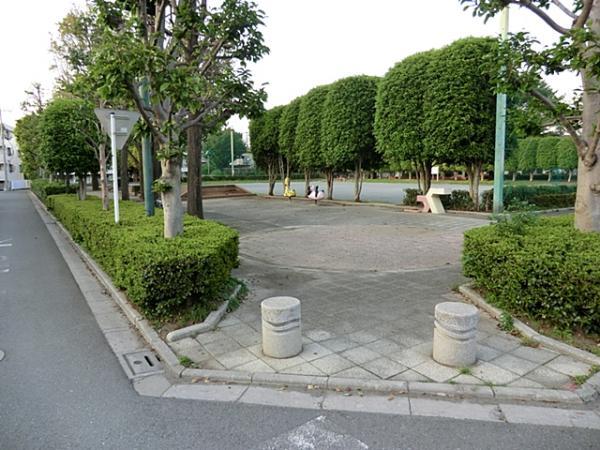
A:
[62, 387]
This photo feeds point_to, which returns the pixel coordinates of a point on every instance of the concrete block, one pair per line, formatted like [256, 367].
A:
[281, 329]
[550, 416]
[455, 410]
[277, 397]
[455, 333]
[152, 386]
[367, 403]
[207, 392]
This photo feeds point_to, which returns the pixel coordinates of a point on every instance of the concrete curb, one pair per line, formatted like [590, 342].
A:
[332, 383]
[209, 324]
[587, 391]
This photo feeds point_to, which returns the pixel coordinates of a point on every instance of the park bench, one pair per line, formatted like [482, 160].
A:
[431, 201]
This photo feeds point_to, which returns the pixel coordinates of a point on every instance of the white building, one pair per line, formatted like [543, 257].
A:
[12, 162]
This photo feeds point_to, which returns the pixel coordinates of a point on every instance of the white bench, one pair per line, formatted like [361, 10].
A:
[432, 202]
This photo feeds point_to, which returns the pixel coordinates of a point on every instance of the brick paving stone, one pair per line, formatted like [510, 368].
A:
[516, 365]
[548, 377]
[537, 355]
[360, 355]
[332, 364]
[384, 367]
[569, 366]
[491, 373]
[436, 371]
[314, 351]
[236, 358]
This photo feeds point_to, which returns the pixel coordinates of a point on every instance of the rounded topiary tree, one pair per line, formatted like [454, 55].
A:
[398, 125]
[307, 141]
[459, 109]
[287, 134]
[347, 136]
[527, 161]
[566, 156]
[546, 154]
[68, 138]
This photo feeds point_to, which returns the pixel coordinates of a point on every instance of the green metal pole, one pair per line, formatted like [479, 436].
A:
[147, 157]
[500, 132]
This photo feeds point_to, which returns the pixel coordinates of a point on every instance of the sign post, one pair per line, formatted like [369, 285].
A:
[118, 125]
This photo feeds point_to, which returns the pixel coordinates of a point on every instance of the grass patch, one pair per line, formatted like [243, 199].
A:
[465, 371]
[528, 342]
[581, 379]
[185, 361]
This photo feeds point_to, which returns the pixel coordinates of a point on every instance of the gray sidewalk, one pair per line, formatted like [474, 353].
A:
[368, 279]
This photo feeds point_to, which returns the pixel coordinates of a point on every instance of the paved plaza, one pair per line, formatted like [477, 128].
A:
[368, 279]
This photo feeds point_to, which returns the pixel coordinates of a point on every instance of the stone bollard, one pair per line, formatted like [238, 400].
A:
[455, 333]
[281, 331]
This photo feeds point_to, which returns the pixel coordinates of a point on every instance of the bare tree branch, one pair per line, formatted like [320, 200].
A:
[564, 9]
[541, 14]
[144, 113]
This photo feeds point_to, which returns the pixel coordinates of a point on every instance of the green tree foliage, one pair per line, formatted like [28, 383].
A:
[546, 154]
[264, 142]
[218, 147]
[577, 27]
[308, 132]
[527, 159]
[67, 137]
[347, 139]
[195, 61]
[399, 115]
[287, 133]
[566, 155]
[460, 106]
[27, 133]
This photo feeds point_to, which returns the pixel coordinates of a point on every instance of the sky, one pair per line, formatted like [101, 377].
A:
[311, 42]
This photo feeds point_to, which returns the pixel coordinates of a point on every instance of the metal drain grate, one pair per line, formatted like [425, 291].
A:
[142, 363]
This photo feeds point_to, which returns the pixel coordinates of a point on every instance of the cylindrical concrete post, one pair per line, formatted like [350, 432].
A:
[281, 329]
[455, 333]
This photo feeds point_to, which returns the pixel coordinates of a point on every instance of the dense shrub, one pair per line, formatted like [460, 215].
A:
[161, 276]
[458, 201]
[542, 268]
[43, 188]
[554, 200]
[410, 197]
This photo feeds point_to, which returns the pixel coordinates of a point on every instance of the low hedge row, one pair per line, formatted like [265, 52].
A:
[43, 188]
[540, 267]
[161, 276]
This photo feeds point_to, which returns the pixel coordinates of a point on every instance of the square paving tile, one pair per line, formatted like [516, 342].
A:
[406, 340]
[537, 355]
[548, 377]
[364, 337]
[485, 353]
[280, 364]
[384, 346]
[223, 345]
[436, 371]
[236, 358]
[525, 383]
[409, 357]
[314, 351]
[360, 355]
[256, 366]
[339, 344]
[302, 369]
[248, 340]
[356, 372]
[318, 335]
[517, 365]
[211, 336]
[466, 379]
[569, 366]
[491, 373]
[332, 364]
[384, 367]
[228, 321]
[502, 343]
[410, 375]
[211, 364]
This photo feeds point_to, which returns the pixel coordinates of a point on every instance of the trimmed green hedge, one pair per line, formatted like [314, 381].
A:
[161, 276]
[43, 188]
[542, 268]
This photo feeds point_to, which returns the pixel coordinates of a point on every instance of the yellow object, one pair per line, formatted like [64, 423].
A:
[287, 192]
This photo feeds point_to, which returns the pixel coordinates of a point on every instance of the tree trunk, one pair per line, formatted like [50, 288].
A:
[587, 203]
[81, 187]
[95, 183]
[171, 199]
[306, 182]
[123, 169]
[329, 175]
[358, 179]
[549, 176]
[194, 179]
[141, 174]
[425, 175]
[281, 168]
[103, 177]
[474, 173]
[570, 176]
[531, 177]
[514, 176]
[272, 177]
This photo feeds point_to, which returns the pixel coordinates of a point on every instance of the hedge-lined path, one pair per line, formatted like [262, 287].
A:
[368, 279]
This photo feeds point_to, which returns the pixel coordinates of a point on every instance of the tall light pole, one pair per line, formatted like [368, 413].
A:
[500, 130]
[231, 145]
[4, 155]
